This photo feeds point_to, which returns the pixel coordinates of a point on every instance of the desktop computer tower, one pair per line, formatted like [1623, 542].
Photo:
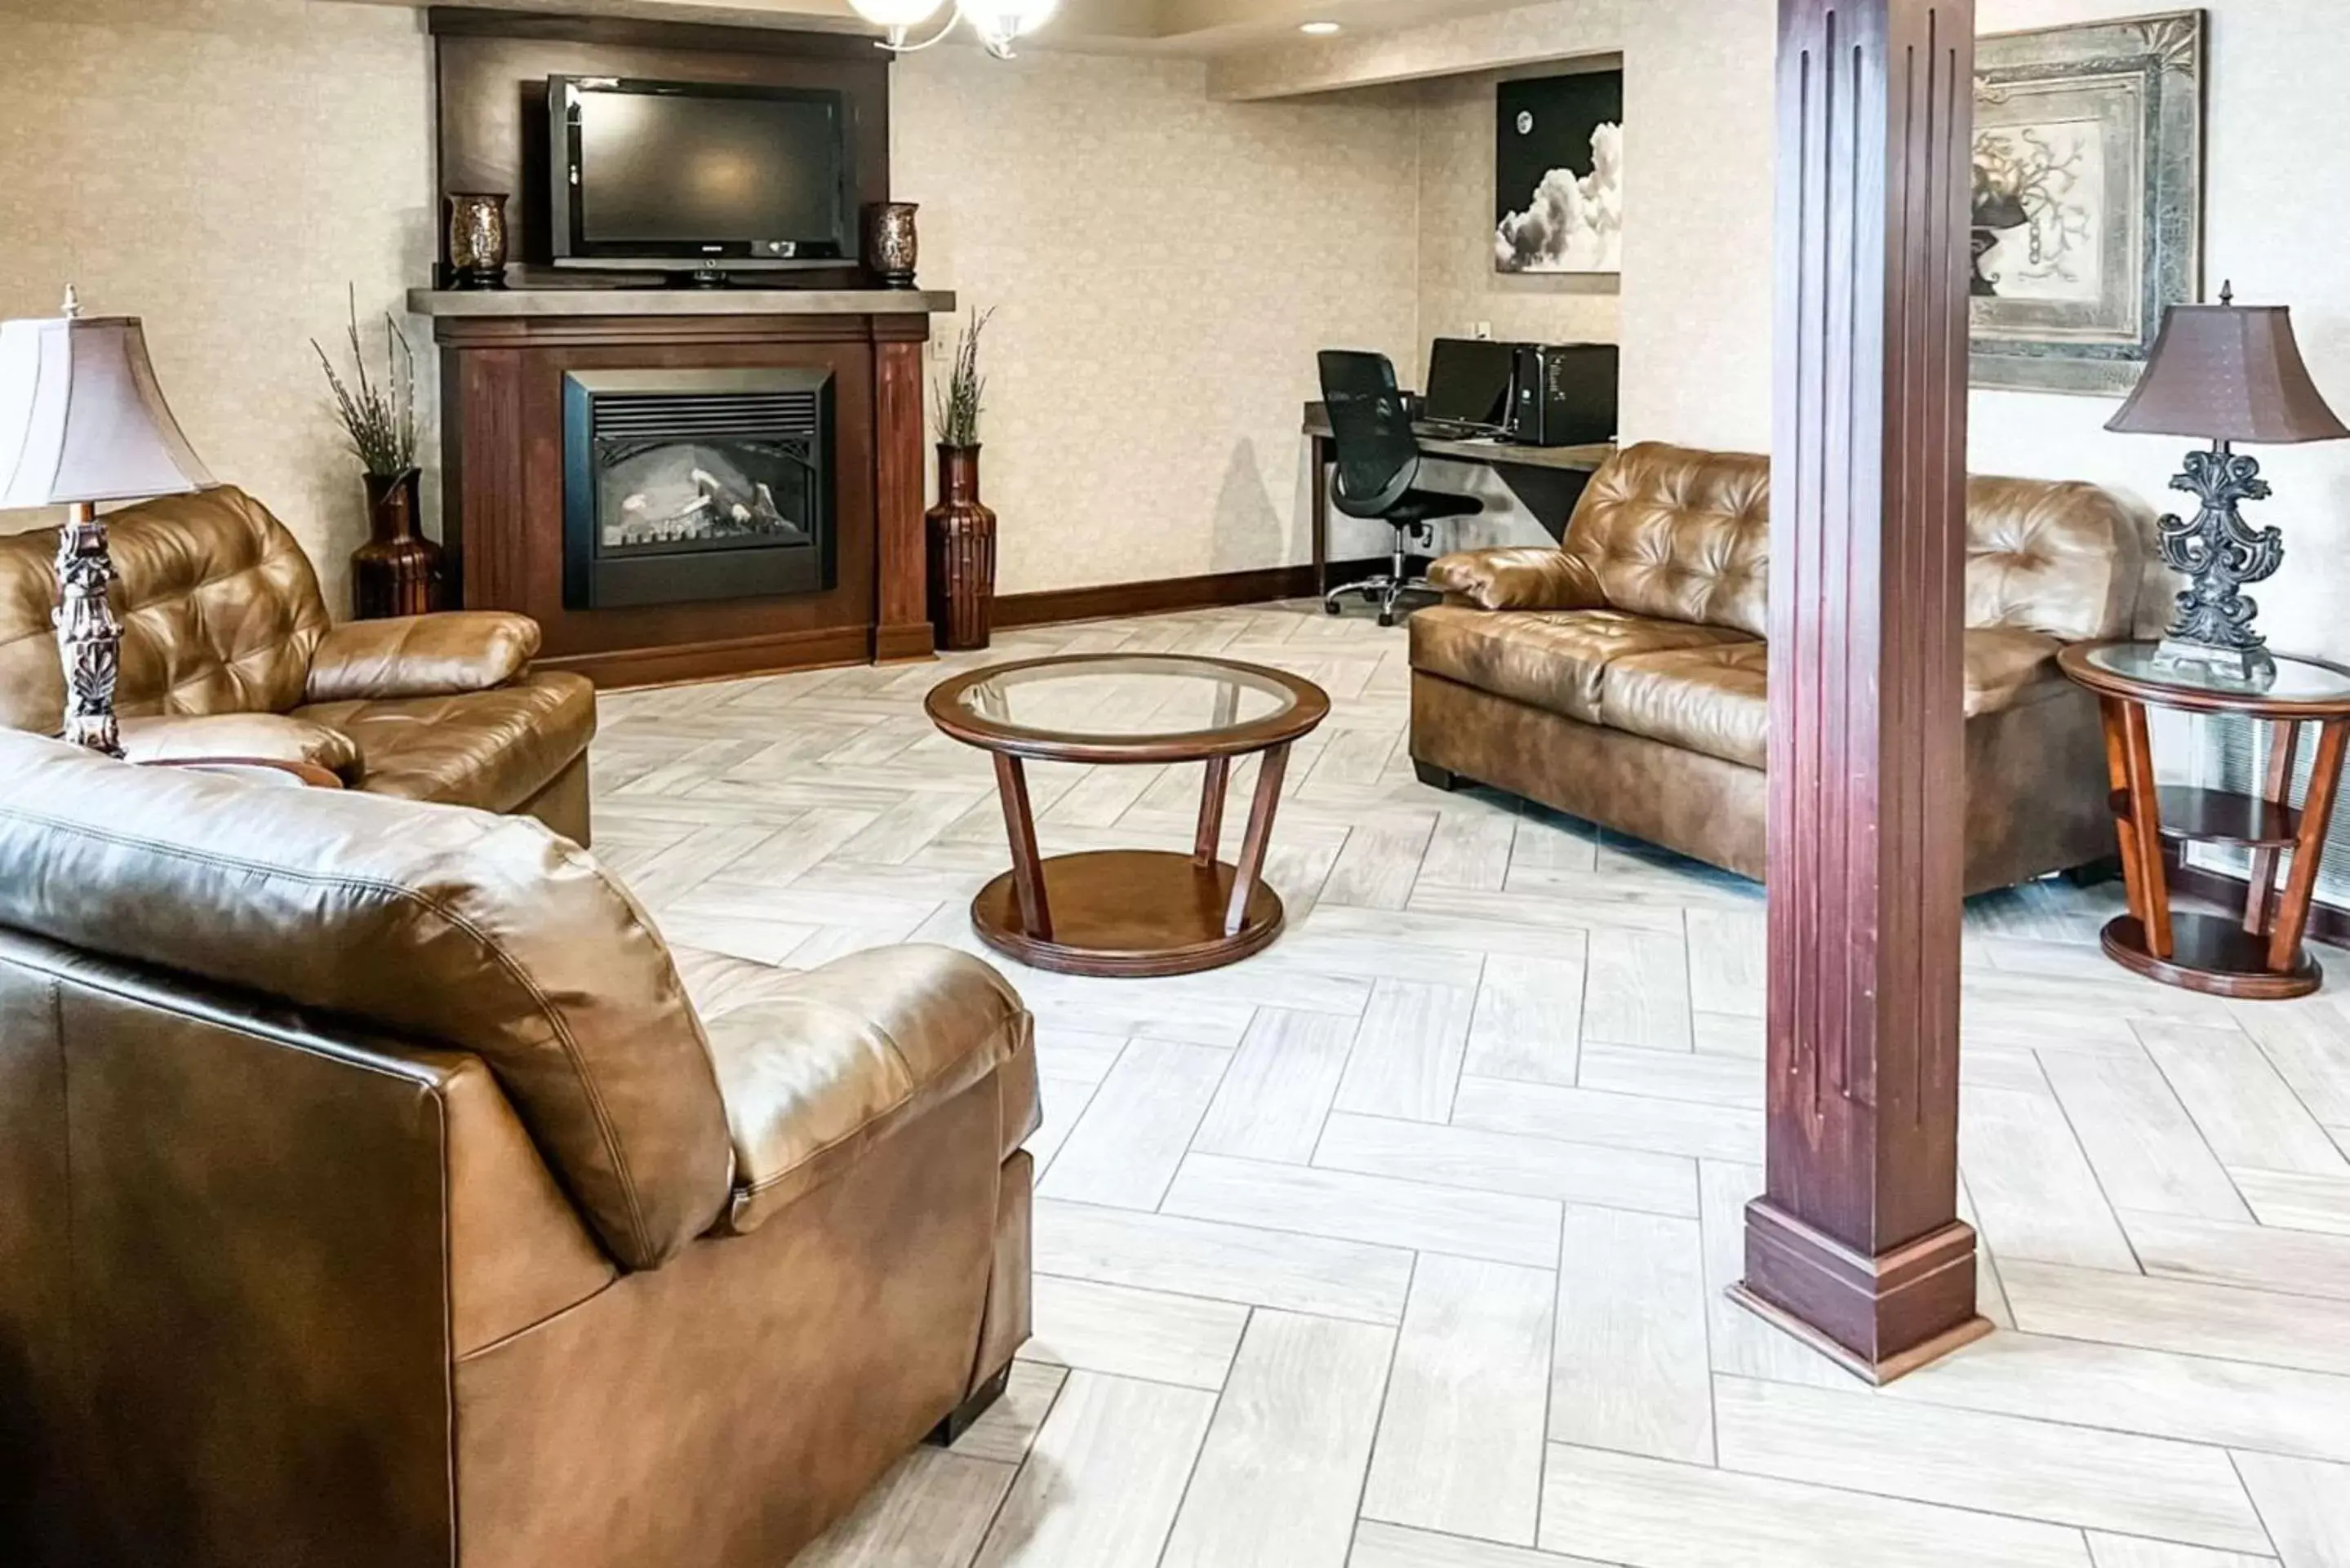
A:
[1562, 394]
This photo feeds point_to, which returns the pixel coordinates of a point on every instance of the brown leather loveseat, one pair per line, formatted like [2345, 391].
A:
[373, 1195]
[227, 650]
[1620, 676]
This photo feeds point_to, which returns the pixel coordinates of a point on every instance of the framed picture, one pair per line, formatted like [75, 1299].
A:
[2088, 199]
[1558, 173]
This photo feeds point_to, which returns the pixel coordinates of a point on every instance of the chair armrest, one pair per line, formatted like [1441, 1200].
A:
[442, 655]
[247, 737]
[818, 1066]
[1519, 577]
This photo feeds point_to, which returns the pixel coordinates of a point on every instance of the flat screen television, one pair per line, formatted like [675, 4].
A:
[699, 177]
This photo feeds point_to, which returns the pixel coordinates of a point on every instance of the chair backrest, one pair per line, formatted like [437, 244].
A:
[434, 923]
[1685, 535]
[1378, 457]
[219, 611]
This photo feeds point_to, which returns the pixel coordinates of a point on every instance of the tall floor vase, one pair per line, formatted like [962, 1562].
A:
[398, 571]
[962, 554]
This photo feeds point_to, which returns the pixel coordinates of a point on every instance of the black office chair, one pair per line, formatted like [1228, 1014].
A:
[1378, 459]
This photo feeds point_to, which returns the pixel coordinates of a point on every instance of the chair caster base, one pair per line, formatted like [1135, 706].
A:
[964, 1417]
[1329, 607]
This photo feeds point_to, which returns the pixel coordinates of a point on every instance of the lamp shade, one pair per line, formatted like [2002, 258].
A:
[896, 13]
[81, 417]
[2228, 372]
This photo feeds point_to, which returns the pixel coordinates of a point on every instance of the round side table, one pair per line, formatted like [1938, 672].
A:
[1131, 912]
[2260, 957]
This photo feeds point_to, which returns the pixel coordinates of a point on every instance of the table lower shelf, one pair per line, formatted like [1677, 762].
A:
[2209, 953]
[1127, 912]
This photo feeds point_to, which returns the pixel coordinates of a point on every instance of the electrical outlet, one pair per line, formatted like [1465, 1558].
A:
[1482, 331]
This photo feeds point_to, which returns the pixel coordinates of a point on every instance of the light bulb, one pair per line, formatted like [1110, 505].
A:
[998, 22]
[896, 14]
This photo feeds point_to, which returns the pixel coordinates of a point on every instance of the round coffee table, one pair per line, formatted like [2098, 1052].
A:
[1132, 912]
[2259, 957]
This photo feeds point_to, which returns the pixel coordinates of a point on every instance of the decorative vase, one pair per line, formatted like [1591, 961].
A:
[398, 571]
[891, 247]
[962, 554]
[477, 239]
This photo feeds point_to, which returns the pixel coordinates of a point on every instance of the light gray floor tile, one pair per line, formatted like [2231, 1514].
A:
[1226, 1263]
[2292, 1201]
[1637, 993]
[2137, 1551]
[1407, 1055]
[1659, 1514]
[2032, 1185]
[929, 1511]
[2306, 1506]
[1381, 1545]
[2004, 1464]
[2246, 1110]
[2147, 1151]
[1008, 1428]
[1529, 1016]
[1506, 1162]
[1105, 1478]
[1461, 1436]
[1613, 1121]
[2296, 1262]
[1272, 1103]
[2308, 1332]
[1131, 1333]
[1503, 1226]
[1124, 1148]
[1629, 1358]
[1282, 1470]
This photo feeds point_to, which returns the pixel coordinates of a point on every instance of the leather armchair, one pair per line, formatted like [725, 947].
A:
[378, 1188]
[228, 651]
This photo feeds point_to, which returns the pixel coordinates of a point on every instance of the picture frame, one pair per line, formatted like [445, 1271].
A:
[1558, 173]
[2087, 199]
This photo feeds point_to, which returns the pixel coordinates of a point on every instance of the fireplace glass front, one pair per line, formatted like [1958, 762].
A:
[696, 484]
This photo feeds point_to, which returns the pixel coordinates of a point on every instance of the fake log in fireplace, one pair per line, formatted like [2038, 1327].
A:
[680, 485]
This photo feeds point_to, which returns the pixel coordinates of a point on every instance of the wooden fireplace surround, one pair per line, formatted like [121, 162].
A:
[502, 361]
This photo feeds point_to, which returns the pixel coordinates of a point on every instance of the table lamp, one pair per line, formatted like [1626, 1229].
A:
[2224, 373]
[82, 421]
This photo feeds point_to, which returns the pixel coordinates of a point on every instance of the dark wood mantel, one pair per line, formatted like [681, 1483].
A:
[502, 361]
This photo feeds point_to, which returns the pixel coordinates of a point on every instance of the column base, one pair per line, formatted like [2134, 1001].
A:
[1877, 1317]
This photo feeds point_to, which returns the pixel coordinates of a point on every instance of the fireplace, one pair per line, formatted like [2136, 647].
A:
[681, 485]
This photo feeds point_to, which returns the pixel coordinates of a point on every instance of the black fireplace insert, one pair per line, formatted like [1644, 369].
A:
[680, 485]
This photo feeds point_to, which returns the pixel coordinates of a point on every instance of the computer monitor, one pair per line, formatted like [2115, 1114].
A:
[1468, 382]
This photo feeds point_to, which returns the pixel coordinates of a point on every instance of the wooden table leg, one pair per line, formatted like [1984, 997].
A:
[1211, 811]
[2146, 824]
[1274, 763]
[2308, 847]
[1027, 865]
[2117, 773]
[2284, 746]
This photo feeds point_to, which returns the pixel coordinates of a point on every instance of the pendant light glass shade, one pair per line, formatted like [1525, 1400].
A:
[998, 22]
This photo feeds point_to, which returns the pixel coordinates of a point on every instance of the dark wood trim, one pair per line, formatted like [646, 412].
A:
[2326, 924]
[1162, 596]
[1857, 1238]
[723, 660]
[636, 33]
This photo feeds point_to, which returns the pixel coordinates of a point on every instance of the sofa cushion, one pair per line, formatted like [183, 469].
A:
[219, 612]
[486, 934]
[1709, 700]
[1679, 534]
[2067, 559]
[1715, 699]
[1553, 660]
[440, 655]
[247, 737]
[493, 749]
[816, 1067]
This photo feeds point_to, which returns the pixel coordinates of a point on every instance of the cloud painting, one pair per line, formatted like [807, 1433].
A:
[1558, 175]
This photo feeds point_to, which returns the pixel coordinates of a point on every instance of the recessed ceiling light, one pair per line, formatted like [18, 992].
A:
[1318, 29]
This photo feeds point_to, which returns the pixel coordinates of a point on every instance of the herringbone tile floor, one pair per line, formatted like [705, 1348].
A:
[1402, 1245]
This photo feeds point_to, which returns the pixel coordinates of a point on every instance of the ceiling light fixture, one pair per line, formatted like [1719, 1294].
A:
[997, 22]
[1317, 29]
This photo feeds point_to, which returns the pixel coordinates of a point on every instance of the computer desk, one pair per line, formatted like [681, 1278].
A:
[1548, 478]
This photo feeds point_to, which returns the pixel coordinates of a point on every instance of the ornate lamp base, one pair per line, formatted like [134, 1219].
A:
[2251, 669]
[89, 639]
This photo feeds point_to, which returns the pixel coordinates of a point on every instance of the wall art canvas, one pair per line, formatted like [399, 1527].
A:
[2087, 202]
[1558, 175]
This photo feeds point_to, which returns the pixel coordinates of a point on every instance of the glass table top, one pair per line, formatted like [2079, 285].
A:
[2296, 679]
[1137, 698]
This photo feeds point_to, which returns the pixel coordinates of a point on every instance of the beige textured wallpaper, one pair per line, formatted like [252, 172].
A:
[1163, 267]
[223, 169]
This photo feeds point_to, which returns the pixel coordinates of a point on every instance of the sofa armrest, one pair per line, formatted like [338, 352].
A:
[816, 1067]
[442, 655]
[247, 737]
[1519, 577]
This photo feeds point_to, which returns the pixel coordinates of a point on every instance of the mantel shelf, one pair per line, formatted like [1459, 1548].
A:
[509, 302]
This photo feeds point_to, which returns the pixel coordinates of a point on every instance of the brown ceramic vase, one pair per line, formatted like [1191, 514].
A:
[962, 554]
[398, 571]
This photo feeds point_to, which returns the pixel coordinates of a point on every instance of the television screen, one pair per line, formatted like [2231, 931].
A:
[654, 170]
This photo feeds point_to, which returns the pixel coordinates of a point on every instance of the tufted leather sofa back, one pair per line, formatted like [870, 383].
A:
[1685, 535]
[220, 610]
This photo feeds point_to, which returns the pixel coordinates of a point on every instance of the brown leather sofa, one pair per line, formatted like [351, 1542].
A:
[1620, 676]
[227, 650]
[372, 1194]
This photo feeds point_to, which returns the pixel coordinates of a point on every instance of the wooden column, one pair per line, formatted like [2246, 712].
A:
[1856, 1244]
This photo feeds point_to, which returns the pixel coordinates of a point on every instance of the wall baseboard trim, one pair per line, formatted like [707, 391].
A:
[2326, 923]
[1160, 596]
